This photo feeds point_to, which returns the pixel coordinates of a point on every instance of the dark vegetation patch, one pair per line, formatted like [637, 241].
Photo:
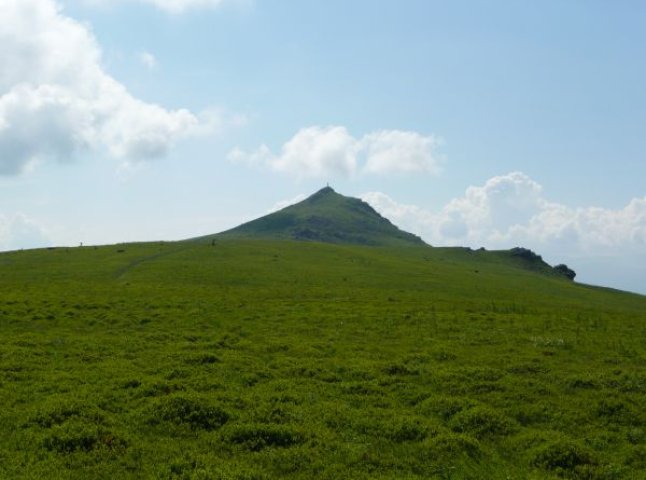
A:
[451, 446]
[203, 359]
[481, 421]
[565, 458]
[445, 407]
[192, 411]
[79, 436]
[256, 437]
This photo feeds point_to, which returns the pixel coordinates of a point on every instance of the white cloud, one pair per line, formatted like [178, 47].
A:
[148, 60]
[261, 156]
[317, 151]
[173, 6]
[332, 152]
[56, 100]
[511, 210]
[496, 206]
[410, 217]
[392, 151]
[179, 6]
[18, 231]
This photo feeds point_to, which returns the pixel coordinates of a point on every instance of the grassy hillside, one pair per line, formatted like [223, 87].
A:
[328, 217]
[259, 359]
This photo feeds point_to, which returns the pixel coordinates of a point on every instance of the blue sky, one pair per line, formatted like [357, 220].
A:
[494, 123]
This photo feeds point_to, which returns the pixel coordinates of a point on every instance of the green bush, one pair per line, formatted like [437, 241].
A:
[445, 407]
[194, 412]
[636, 435]
[563, 457]
[617, 411]
[57, 413]
[637, 458]
[399, 369]
[256, 437]
[405, 429]
[482, 422]
[203, 359]
[566, 271]
[78, 436]
[449, 446]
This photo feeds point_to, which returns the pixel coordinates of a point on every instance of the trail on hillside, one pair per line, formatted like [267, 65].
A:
[135, 263]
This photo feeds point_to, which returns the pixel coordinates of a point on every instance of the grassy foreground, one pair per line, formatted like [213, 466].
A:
[259, 359]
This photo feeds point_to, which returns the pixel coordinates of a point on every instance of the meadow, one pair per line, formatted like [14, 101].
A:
[258, 359]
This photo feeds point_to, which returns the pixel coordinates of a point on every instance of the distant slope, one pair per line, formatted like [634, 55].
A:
[473, 279]
[326, 217]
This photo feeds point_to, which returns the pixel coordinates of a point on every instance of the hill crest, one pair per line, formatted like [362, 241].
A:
[329, 217]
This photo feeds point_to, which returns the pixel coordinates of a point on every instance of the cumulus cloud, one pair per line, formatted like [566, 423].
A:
[332, 151]
[493, 208]
[173, 6]
[56, 100]
[392, 151]
[179, 6]
[18, 231]
[605, 246]
[510, 210]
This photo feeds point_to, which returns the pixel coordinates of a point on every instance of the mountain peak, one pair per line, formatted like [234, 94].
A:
[323, 193]
[327, 216]
[325, 190]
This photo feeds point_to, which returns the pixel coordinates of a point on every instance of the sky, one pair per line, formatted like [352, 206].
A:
[475, 123]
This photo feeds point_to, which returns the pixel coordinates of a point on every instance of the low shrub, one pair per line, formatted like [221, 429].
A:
[636, 435]
[482, 422]
[405, 429]
[203, 359]
[530, 413]
[637, 458]
[564, 270]
[134, 383]
[79, 436]
[450, 446]
[399, 369]
[445, 407]
[443, 355]
[161, 389]
[195, 412]
[580, 383]
[57, 413]
[563, 457]
[257, 437]
[617, 411]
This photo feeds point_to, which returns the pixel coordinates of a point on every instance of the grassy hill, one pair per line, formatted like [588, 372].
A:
[327, 217]
[260, 358]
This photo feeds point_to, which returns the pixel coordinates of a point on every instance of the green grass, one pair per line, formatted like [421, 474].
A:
[299, 360]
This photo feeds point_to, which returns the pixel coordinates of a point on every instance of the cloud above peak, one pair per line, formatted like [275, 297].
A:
[56, 100]
[397, 151]
[323, 152]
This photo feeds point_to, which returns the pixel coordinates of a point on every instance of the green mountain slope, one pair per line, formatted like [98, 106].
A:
[327, 217]
[261, 358]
